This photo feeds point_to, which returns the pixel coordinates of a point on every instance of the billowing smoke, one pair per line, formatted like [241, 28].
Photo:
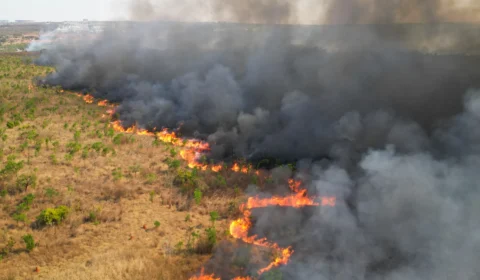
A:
[385, 117]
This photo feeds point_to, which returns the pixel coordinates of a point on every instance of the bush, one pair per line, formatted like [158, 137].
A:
[156, 224]
[52, 216]
[26, 203]
[11, 167]
[49, 192]
[29, 242]
[151, 178]
[186, 179]
[25, 181]
[197, 195]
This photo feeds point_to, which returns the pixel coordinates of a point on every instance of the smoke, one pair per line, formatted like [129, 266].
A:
[384, 117]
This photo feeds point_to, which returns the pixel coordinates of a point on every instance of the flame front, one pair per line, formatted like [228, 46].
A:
[191, 151]
[239, 229]
[202, 276]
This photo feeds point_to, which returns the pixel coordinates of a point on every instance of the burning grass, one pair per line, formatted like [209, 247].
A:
[115, 181]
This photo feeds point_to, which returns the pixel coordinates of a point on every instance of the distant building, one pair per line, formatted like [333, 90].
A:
[4, 22]
[85, 19]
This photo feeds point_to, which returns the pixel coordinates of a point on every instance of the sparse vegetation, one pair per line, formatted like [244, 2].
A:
[65, 173]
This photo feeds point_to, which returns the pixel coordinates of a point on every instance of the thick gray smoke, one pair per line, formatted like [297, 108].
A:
[385, 117]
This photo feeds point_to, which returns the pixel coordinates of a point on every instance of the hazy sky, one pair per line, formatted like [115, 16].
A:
[310, 11]
[60, 10]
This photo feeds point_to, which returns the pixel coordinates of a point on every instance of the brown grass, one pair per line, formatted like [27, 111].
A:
[115, 245]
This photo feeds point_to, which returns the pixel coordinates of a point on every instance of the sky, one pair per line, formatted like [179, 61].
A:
[61, 10]
[311, 11]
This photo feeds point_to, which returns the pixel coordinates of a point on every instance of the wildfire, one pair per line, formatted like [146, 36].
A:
[202, 276]
[88, 98]
[239, 229]
[192, 151]
[102, 103]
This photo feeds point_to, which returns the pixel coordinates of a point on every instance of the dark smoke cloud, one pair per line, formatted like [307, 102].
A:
[385, 117]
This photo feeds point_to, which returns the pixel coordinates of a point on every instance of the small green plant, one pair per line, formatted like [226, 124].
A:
[7, 249]
[179, 247]
[187, 218]
[117, 174]
[11, 167]
[214, 217]
[134, 169]
[97, 146]
[151, 178]
[68, 157]
[20, 217]
[221, 181]
[197, 195]
[173, 163]
[173, 152]
[211, 236]
[156, 224]
[51, 216]
[156, 142]
[53, 159]
[118, 139]
[49, 192]
[109, 132]
[73, 147]
[93, 216]
[26, 203]
[152, 196]
[29, 242]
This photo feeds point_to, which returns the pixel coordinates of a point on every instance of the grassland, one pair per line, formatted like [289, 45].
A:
[81, 201]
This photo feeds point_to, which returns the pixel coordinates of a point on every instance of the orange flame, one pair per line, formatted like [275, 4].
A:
[88, 98]
[102, 103]
[202, 276]
[239, 229]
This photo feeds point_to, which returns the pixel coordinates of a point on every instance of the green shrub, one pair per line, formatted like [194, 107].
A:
[26, 203]
[93, 216]
[117, 174]
[173, 163]
[152, 196]
[29, 242]
[51, 216]
[186, 179]
[214, 216]
[11, 167]
[118, 139]
[20, 217]
[211, 236]
[76, 135]
[25, 181]
[97, 146]
[221, 181]
[156, 224]
[151, 178]
[7, 249]
[49, 192]
[197, 195]
[73, 147]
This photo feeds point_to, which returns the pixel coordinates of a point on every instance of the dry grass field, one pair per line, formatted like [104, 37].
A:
[82, 201]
